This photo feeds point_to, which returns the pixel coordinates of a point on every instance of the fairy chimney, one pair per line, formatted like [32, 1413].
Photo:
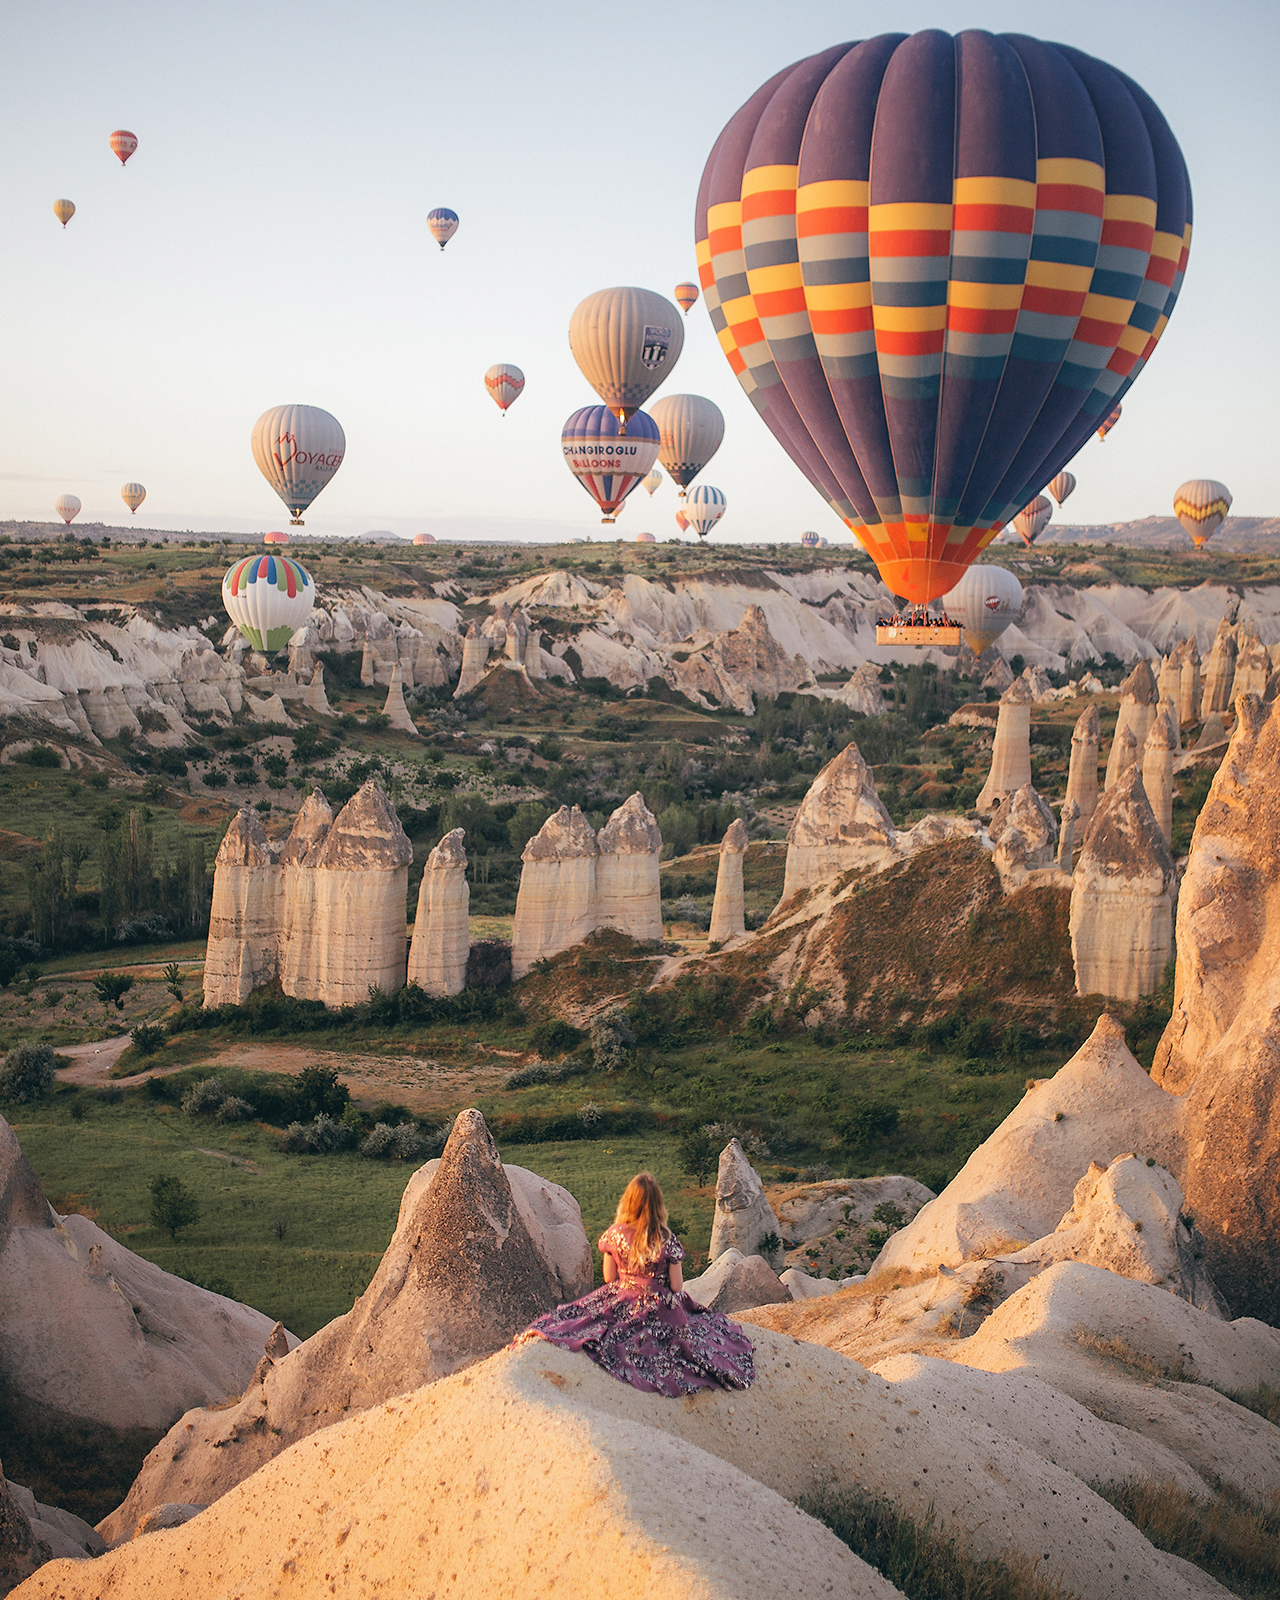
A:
[1138, 702]
[1157, 769]
[243, 950]
[1191, 690]
[1170, 680]
[301, 958]
[1022, 833]
[1253, 666]
[441, 936]
[314, 696]
[394, 706]
[841, 824]
[1219, 672]
[628, 894]
[556, 902]
[1082, 776]
[1121, 920]
[1067, 834]
[475, 655]
[727, 915]
[1011, 751]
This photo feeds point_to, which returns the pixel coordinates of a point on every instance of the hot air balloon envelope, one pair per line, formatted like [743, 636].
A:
[64, 210]
[443, 224]
[690, 429]
[985, 601]
[809, 541]
[424, 538]
[133, 494]
[682, 521]
[504, 383]
[268, 597]
[275, 537]
[645, 538]
[298, 449]
[686, 295]
[935, 264]
[704, 506]
[1110, 422]
[67, 506]
[1033, 519]
[626, 341]
[653, 480]
[1201, 506]
[607, 463]
[1062, 486]
[123, 143]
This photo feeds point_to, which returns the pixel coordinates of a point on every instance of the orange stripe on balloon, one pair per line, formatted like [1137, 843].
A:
[831, 219]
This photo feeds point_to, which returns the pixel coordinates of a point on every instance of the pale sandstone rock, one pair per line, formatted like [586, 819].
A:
[1191, 691]
[1169, 681]
[20, 1554]
[1125, 753]
[1219, 1050]
[1000, 677]
[1253, 666]
[314, 696]
[743, 1216]
[360, 886]
[1139, 700]
[1011, 751]
[841, 824]
[727, 915]
[1067, 834]
[1157, 769]
[1023, 832]
[441, 932]
[734, 1282]
[270, 709]
[800, 1286]
[301, 953]
[556, 901]
[1219, 671]
[1122, 897]
[475, 656]
[246, 915]
[628, 893]
[862, 694]
[733, 668]
[1082, 775]
[64, 1535]
[171, 1515]
[394, 706]
[479, 1251]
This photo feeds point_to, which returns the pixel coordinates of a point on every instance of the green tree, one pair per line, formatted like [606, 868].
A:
[173, 980]
[320, 1094]
[698, 1153]
[52, 875]
[527, 820]
[173, 1206]
[27, 1073]
[111, 988]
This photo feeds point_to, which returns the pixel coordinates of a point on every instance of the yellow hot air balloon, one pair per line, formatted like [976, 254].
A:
[1201, 506]
[686, 296]
[626, 341]
[64, 210]
[133, 494]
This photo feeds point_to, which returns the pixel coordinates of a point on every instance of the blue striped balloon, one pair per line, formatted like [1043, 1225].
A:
[704, 507]
[605, 461]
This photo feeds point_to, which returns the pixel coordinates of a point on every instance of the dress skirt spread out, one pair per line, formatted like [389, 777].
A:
[644, 1334]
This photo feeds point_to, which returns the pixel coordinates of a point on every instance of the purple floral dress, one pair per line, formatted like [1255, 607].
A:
[644, 1334]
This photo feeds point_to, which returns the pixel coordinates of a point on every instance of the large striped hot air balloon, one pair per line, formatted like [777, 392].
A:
[691, 429]
[1109, 422]
[68, 507]
[1062, 486]
[1201, 506]
[626, 341]
[123, 144]
[984, 603]
[268, 597]
[298, 449]
[935, 264]
[686, 295]
[64, 210]
[133, 494]
[607, 463]
[443, 224]
[505, 383]
[704, 506]
[1033, 519]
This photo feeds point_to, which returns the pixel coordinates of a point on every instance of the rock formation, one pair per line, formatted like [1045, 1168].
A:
[1138, 702]
[1070, 816]
[732, 668]
[1157, 769]
[628, 894]
[556, 902]
[394, 706]
[743, 1217]
[246, 915]
[479, 1251]
[1011, 751]
[734, 1282]
[441, 932]
[1122, 897]
[20, 1555]
[1191, 691]
[1219, 672]
[827, 1226]
[475, 656]
[360, 887]
[1253, 666]
[1000, 676]
[1082, 775]
[1169, 680]
[727, 916]
[314, 696]
[841, 824]
[1022, 832]
[301, 954]
[1219, 1049]
[1125, 753]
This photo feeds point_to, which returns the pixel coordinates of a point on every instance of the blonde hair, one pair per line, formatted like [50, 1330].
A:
[643, 1209]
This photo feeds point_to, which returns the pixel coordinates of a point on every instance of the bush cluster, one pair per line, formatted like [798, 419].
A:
[27, 1074]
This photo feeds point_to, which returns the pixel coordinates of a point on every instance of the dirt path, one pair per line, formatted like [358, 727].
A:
[92, 1061]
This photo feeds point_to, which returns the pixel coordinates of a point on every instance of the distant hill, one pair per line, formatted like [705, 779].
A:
[1161, 533]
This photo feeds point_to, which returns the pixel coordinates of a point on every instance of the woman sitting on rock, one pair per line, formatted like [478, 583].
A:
[641, 1325]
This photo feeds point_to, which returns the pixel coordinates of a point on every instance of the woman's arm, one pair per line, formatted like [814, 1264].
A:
[675, 1277]
[610, 1268]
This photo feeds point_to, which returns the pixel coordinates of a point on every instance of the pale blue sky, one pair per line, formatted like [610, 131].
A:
[268, 243]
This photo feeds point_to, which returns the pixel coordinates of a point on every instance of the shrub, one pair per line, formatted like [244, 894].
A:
[321, 1137]
[111, 988]
[173, 980]
[147, 1038]
[214, 1282]
[489, 964]
[205, 1099]
[173, 1206]
[42, 755]
[402, 1143]
[611, 1036]
[320, 1093]
[698, 1153]
[234, 1109]
[890, 1215]
[867, 1123]
[27, 1074]
[545, 1072]
[555, 1037]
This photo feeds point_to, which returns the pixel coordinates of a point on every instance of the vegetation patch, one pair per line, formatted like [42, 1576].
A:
[1230, 1538]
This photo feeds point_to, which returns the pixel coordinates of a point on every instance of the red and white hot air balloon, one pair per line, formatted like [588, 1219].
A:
[645, 538]
[123, 144]
[1063, 485]
[682, 521]
[424, 538]
[1033, 519]
[67, 506]
[505, 384]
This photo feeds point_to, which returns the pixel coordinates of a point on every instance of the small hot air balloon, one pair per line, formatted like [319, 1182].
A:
[645, 538]
[809, 541]
[1112, 418]
[984, 603]
[1201, 506]
[64, 210]
[607, 463]
[424, 538]
[1062, 486]
[504, 383]
[682, 521]
[123, 143]
[443, 224]
[1033, 519]
[67, 507]
[705, 507]
[298, 449]
[691, 429]
[686, 295]
[654, 480]
[133, 494]
[275, 537]
[268, 597]
[626, 341]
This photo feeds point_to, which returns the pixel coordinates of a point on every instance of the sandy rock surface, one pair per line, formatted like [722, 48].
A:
[841, 824]
[628, 893]
[734, 1282]
[243, 949]
[556, 902]
[61, 1533]
[1082, 773]
[1024, 832]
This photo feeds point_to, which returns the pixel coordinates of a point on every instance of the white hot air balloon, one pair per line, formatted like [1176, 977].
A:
[626, 341]
[1201, 506]
[985, 601]
[67, 507]
[704, 506]
[690, 429]
[654, 481]
[268, 597]
[298, 449]
[1062, 486]
[133, 494]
